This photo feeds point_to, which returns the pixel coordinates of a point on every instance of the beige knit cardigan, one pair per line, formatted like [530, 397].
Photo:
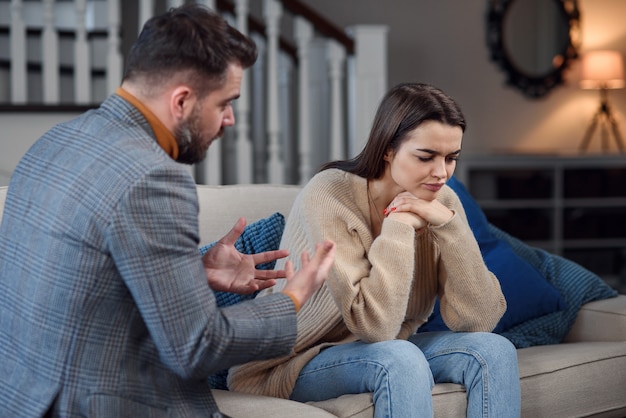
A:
[378, 289]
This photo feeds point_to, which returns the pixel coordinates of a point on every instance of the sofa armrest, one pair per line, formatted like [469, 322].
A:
[601, 320]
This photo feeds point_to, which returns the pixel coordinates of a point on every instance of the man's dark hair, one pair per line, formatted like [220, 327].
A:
[190, 39]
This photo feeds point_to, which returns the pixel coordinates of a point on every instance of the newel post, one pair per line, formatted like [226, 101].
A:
[242, 107]
[367, 81]
[336, 56]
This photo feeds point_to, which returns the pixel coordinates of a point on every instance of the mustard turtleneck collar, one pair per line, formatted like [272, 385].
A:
[164, 137]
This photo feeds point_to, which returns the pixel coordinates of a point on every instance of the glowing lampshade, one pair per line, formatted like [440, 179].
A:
[602, 70]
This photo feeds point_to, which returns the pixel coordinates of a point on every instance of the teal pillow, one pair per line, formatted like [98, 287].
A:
[576, 284]
[262, 235]
[527, 292]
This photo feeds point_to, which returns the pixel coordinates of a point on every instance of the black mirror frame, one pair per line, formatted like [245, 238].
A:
[531, 86]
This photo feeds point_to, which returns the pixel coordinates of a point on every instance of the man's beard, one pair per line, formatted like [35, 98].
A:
[191, 147]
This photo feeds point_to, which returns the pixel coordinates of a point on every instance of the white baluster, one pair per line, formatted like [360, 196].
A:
[242, 105]
[18, 54]
[288, 112]
[272, 14]
[209, 171]
[303, 33]
[174, 3]
[208, 3]
[368, 81]
[319, 99]
[50, 55]
[336, 55]
[114, 57]
[146, 11]
[82, 67]
[258, 119]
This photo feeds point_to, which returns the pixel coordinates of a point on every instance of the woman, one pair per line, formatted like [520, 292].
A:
[402, 239]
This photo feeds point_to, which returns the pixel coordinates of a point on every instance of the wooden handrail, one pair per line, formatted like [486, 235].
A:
[321, 23]
[46, 108]
[256, 25]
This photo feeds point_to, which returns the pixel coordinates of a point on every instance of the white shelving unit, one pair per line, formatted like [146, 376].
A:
[574, 206]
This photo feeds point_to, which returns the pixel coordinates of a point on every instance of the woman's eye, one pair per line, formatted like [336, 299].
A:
[425, 159]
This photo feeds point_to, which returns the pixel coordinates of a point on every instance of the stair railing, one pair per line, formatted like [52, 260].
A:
[309, 99]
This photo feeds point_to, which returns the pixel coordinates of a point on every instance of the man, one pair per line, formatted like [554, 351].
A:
[105, 309]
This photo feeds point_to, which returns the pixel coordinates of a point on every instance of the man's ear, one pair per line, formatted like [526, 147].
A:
[182, 101]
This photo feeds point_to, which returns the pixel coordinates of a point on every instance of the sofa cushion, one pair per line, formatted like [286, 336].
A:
[527, 292]
[257, 237]
[245, 405]
[583, 379]
[593, 319]
[221, 206]
[359, 405]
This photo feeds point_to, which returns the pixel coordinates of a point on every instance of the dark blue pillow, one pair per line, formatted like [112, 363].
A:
[257, 237]
[527, 292]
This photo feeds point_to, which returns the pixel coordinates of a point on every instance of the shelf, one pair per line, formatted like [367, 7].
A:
[600, 243]
[515, 203]
[572, 206]
[606, 202]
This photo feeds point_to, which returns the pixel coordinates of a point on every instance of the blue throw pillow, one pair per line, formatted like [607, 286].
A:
[576, 284]
[527, 292]
[257, 237]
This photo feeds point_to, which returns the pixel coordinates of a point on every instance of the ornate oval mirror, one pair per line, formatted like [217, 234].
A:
[533, 41]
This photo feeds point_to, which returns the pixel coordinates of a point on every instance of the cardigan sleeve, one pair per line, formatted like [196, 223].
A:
[370, 280]
[470, 295]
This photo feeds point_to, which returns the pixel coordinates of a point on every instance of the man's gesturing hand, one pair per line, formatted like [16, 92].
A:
[314, 271]
[229, 270]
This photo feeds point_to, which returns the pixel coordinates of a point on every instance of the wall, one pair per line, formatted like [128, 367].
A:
[18, 131]
[443, 43]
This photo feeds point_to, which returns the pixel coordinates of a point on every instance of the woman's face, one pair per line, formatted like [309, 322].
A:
[426, 159]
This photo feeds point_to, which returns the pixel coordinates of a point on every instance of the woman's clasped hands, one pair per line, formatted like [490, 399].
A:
[419, 213]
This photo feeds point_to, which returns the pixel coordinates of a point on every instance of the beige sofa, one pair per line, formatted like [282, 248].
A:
[583, 376]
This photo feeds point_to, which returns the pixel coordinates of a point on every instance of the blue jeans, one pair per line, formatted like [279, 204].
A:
[401, 374]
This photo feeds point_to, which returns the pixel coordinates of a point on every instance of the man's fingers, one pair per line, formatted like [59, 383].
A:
[267, 256]
[269, 274]
[231, 237]
[264, 284]
[323, 251]
[305, 258]
[289, 273]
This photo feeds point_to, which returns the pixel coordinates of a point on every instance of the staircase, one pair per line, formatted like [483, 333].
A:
[310, 97]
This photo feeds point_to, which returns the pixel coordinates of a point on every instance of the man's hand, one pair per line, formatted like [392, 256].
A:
[229, 270]
[314, 271]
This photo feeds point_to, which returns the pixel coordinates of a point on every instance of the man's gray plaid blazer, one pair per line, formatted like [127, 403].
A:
[104, 306]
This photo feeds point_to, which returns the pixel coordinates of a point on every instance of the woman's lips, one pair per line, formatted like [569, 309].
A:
[434, 187]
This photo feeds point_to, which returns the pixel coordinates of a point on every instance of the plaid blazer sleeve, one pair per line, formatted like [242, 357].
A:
[153, 237]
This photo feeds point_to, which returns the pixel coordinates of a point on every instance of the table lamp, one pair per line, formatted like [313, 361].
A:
[602, 70]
